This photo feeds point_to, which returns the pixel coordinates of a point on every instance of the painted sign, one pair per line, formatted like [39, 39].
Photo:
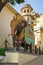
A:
[29, 36]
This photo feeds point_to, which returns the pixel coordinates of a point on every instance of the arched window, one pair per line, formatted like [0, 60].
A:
[24, 11]
[27, 10]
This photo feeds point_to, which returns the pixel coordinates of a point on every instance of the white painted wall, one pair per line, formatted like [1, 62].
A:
[41, 25]
[6, 15]
[41, 20]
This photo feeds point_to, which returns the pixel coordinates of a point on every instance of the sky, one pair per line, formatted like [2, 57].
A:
[37, 5]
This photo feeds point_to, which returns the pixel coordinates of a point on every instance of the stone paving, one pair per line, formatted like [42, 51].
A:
[38, 61]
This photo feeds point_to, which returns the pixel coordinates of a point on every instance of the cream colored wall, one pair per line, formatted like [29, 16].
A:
[40, 20]
[30, 19]
[41, 35]
[6, 15]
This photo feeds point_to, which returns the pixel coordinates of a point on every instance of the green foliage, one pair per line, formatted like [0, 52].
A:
[12, 1]
[2, 52]
[15, 1]
[19, 1]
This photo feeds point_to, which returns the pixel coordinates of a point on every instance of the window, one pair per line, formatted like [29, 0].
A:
[24, 11]
[27, 10]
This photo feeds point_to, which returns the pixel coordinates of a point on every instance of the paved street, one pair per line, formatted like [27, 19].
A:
[37, 61]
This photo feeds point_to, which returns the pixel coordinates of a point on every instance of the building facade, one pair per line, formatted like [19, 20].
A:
[41, 29]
